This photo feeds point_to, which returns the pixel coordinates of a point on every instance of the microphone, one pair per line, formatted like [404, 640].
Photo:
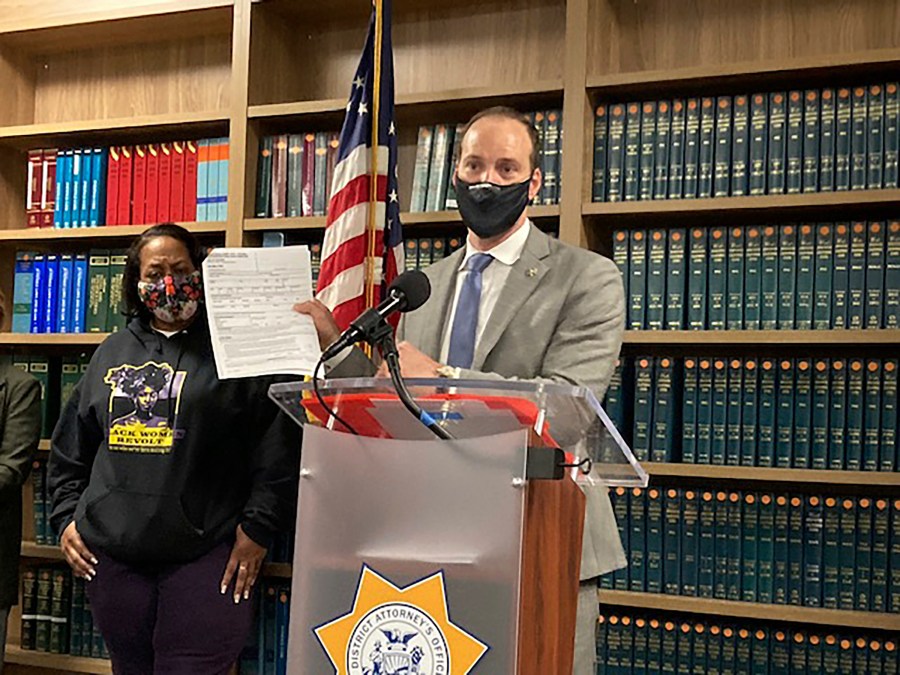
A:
[407, 292]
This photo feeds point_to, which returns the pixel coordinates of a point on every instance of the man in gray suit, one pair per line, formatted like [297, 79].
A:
[515, 304]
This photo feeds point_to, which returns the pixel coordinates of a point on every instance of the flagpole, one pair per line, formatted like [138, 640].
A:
[373, 170]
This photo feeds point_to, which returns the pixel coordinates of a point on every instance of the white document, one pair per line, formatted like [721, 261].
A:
[249, 294]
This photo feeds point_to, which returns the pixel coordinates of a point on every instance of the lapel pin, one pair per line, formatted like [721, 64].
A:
[532, 271]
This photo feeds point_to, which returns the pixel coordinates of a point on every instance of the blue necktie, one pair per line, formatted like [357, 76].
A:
[465, 322]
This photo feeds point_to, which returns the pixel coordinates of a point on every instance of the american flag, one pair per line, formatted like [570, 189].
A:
[363, 247]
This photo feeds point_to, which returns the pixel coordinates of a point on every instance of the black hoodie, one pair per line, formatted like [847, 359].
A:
[157, 460]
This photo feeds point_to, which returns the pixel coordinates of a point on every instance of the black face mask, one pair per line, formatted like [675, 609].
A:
[489, 209]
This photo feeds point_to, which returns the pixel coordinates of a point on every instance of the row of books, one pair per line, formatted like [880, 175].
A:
[56, 614]
[784, 142]
[832, 551]
[421, 252]
[180, 181]
[808, 276]
[666, 643]
[794, 413]
[294, 174]
[266, 651]
[57, 377]
[69, 292]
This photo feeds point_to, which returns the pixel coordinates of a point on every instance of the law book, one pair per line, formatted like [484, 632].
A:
[737, 270]
[419, 194]
[164, 189]
[666, 404]
[115, 318]
[151, 193]
[28, 609]
[39, 367]
[805, 280]
[639, 645]
[720, 545]
[765, 548]
[822, 276]
[742, 650]
[647, 150]
[281, 171]
[643, 408]
[811, 140]
[843, 140]
[553, 155]
[63, 176]
[98, 292]
[820, 410]
[270, 632]
[663, 143]
[858, 137]
[671, 582]
[840, 308]
[99, 160]
[777, 143]
[797, 659]
[619, 499]
[692, 148]
[204, 164]
[733, 552]
[890, 657]
[891, 134]
[282, 621]
[724, 138]
[697, 279]
[191, 159]
[875, 275]
[33, 191]
[601, 150]
[863, 554]
[847, 557]
[73, 216]
[768, 408]
[656, 281]
[123, 201]
[803, 401]
[740, 147]
[781, 530]
[539, 121]
[704, 411]
[706, 160]
[83, 189]
[771, 273]
[39, 293]
[749, 412]
[894, 554]
[49, 161]
[43, 608]
[752, 280]
[717, 282]
[637, 282]
[685, 649]
[838, 415]
[853, 439]
[620, 396]
[139, 186]
[176, 195]
[221, 192]
[654, 646]
[677, 150]
[637, 571]
[831, 551]
[827, 126]
[77, 316]
[758, 146]
[784, 443]
[290, 169]
[794, 147]
[621, 244]
[719, 411]
[669, 648]
[320, 189]
[875, 138]
[76, 616]
[706, 545]
[654, 539]
[759, 659]
[813, 522]
[734, 409]
[689, 411]
[831, 655]
[632, 168]
[888, 451]
[892, 276]
[63, 310]
[39, 502]
[50, 297]
[749, 548]
[846, 656]
[423, 255]
[787, 277]
[59, 611]
[23, 292]
[690, 544]
[871, 415]
[714, 649]
[878, 601]
[615, 174]
[699, 648]
[796, 556]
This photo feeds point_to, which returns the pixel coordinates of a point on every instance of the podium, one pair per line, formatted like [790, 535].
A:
[419, 556]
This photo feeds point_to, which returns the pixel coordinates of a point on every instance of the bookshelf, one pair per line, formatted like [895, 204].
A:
[113, 72]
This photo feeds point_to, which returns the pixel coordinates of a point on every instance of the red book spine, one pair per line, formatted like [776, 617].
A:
[164, 193]
[139, 194]
[334, 143]
[309, 173]
[33, 196]
[125, 174]
[112, 185]
[151, 196]
[176, 201]
[48, 200]
[190, 181]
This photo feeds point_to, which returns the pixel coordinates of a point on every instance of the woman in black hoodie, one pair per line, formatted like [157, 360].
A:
[169, 484]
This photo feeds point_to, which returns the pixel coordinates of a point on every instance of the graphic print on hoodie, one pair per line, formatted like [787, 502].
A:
[143, 407]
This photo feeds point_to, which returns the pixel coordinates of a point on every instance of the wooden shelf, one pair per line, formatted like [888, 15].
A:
[63, 663]
[308, 223]
[772, 474]
[678, 212]
[751, 610]
[44, 445]
[48, 234]
[52, 339]
[762, 337]
[41, 552]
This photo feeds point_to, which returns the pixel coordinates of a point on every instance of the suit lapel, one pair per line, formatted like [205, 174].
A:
[524, 277]
[432, 317]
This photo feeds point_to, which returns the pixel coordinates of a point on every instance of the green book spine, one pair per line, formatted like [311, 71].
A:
[718, 254]
[891, 134]
[676, 151]
[685, 650]
[780, 551]
[419, 194]
[875, 288]
[859, 128]
[619, 498]
[39, 501]
[831, 552]
[752, 278]
[863, 554]
[676, 280]
[264, 178]
[842, 142]
[714, 649]
[706, 546]
[813, 654]
[643, 408]
[692, 148]
[621, 243]
[827, 141]
[795, 551]
[880, 555]
[743, 650]
[770, 276]
[765, 549]
[700, 646]
[777, 142]
[840, 308]
[768, 406]
[734, 406]
[626, 650]
[410, 254]
[439, 171]
[59, 612]
[637, 282]
[733, 547]
[704, 412]
[697, 279]
[669, 648]
[759, 143]
[639, 648]
[824, 254]
[615, 174]
[663, 145]
[854, 434]
[892, 276]
[811, 139]
[707, 147]
[787, 277]
[550, 158]
[656, 281]
[39, 367]
[666, 404]
[749, 413]
[720, 546]
[740, 148]
[98, 292]
[794, 159]
[690, 545]
[806, 263]
[43, 608]
[69, 378]
[672, 542]
[115, 318]
[654, 559]
[29, 609]
[798, 654]
[803, 400]
[872, 416]
[889, 452]
[654, 646]
[894, 543]
[719, 412]
[722, 152]
[831, 656]
[875, 138]
[637, 571]
[784, 443]
[838, 415]
[601, 140]
[423, 254]
[847, 578]
[845, 656]
[813, 521]
[820, 412]
[863, 660]
[689, 411]
[632, 151]
[735, 294]
[759, 664]
[749, 548]
[648, 149]
[613, 645]
[727, 651]
[891, 661]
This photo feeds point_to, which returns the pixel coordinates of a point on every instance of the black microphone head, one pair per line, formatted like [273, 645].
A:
[412, 288]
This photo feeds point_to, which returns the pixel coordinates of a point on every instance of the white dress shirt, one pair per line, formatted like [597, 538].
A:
[493, 278]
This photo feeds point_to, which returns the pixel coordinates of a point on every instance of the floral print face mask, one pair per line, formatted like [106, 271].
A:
[172, 299]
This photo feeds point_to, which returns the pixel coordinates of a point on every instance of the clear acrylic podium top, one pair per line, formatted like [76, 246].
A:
[556, 415]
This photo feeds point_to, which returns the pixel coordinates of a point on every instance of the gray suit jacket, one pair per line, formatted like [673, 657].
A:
[559, 318]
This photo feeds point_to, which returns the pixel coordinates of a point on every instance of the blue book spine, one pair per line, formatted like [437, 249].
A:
[62, 159]
[892, 276]
[619, 499]
[639, 644]
[749, 413]
[765, 449]
[222, 194]
[654, 560]
[880, 561]
[707, 148]
[863, 554]
[637, 570]
[714, 649]
[875, 288]
[811, 140]
[872, 416]
[798, 654]
[23, 292]
[842, 143]
[813, 552]
[765, 548]
[722, 152]
[853, 440]
[780, 551]
[777, 143]
[72, 205]
[663, 145]
[704, 412]
[666, 404]
[632, 179]
[85, 183]
[831, 552]
[733, 421]
[787, 277]
[733, 549]
[759, 143]
[803, 400]
[888, 460]
[752, 278]
[859, 128]
[806, 270]
[759, 664]
[847, 571]
[740, 147]
[821, 407]
[840, 280]
[891, 134]
[654, 317]
[676, 150]
[717, 282]
[692, 148]
[98, 187]
[79, 294]
[838, 415]
[697, 279]
[648, 149]
[735, 294]
[64, 304]
[794, 158]
[719, 411]
[822, 290]
[743, 650]
[875, 138]
[795, 551]
[643, 408]
[689, 411]
[203, 166]
[601, 138]
[720, 546]
[672, 542]
[706, 545]
[690, 544]
[637, 282]
[39, 294]
[676, 279]
[616, 145]
[770, 274]
[784, 444]
[827, 125]
[50, 297]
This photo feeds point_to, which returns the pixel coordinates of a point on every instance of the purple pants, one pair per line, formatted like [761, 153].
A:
[169, 618]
